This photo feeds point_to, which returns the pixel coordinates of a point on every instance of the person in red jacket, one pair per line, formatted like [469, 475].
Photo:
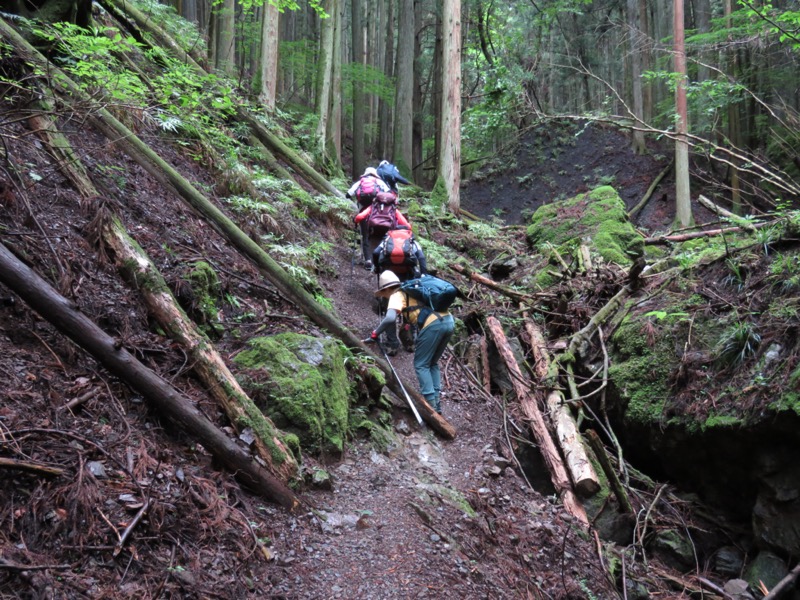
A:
[376, 235]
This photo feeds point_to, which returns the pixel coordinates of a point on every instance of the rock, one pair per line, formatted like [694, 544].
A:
[737, 590]
[501, 462]
[767, 567]
[729, 561]
[96, 468]
[402, 427]
[674, 549]
[494, 471]
[321, 479]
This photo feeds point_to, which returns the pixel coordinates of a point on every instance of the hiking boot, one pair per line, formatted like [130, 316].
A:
[368, 265]
[392, 350]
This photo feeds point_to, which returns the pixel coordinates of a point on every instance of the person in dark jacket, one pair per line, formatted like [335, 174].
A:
[390, 175]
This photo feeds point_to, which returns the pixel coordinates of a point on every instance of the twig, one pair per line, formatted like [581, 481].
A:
[32, 467]
[130, 527]
[4, 564]
[58, 360]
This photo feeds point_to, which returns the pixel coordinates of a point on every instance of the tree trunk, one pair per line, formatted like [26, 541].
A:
[269, 56]
[63, 315]
[638, 142]
[450, 151]
[683, 199]
[404, 89]
[333, 132]
[385, 142]
[171, 179]
[322, 93]
[558, 473]
[207, 364]
[569, 439]
[225, 29]
[359, 110]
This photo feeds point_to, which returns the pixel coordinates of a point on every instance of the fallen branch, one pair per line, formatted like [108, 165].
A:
[740, 221]
[569, 438]
[616, 485]
[60, 312]
[784, 585]
[30, 467]
[558, 473]
[516, 296]
[649, 193]
[669, 239]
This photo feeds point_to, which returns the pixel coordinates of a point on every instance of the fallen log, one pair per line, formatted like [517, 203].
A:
[739, 220]
[516, 296]
[521, 385]
[139, 271]
[569, 440]
[151, 162]
[613, 480]
[683, 237]
[85, 333]
[649, 193]
[29, 466]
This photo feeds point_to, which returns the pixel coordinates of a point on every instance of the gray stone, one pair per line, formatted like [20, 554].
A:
[96, 468]
[737, 590]
[674, 549]
[729, 561]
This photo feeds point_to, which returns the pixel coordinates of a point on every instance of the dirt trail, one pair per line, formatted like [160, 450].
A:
[429, 518]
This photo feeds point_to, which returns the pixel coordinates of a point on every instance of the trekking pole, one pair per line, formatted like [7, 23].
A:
[400, 383]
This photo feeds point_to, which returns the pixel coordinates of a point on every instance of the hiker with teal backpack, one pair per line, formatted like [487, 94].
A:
[364, 191]
[424, 302]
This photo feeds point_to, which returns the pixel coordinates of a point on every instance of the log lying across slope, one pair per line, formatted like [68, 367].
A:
[139, 270]
[140, 152]
[558, 473]
[56, 309]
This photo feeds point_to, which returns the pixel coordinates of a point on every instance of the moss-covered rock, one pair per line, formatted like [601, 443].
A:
[302, 384]
[598, 215]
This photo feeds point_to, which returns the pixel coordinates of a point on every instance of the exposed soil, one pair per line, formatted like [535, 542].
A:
[391, 526]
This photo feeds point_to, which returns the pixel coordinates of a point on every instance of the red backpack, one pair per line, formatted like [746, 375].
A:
[399, 252]
[368, 189]
[383, 214]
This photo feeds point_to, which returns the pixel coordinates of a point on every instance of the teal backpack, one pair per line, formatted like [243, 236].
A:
[434, 295]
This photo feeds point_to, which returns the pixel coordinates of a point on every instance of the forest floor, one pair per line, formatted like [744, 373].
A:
[419, 518]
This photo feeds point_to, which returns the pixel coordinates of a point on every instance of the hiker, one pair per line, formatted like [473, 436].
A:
[400, 253]
[366, 188]
[390, 175]
[364, 191]
[433, 334]
[378, 219]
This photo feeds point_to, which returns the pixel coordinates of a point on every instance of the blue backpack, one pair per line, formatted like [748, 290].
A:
[433, 294]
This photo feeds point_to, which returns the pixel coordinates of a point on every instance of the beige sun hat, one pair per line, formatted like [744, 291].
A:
[388, 283]
[370, 171]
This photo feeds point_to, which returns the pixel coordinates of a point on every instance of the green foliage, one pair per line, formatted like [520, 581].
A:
[737, 344]
[92, 58]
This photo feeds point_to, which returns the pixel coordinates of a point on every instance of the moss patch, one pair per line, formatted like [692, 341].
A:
[301, 383]
[598, 215]
[205, 291]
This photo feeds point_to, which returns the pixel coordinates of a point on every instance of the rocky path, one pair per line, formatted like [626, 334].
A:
[427, 518]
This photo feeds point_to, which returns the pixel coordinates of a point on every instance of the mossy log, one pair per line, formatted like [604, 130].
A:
[142, 154]
[580, 341]
[569, 438]
[516, 296]
[289, 156]
[558, 473]
[685, 237]
[140, 271]
[207, 364]
[613, 480]
[84, 332]
[137, 22]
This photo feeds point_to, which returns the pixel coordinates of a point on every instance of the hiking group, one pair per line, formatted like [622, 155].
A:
[410, 297]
